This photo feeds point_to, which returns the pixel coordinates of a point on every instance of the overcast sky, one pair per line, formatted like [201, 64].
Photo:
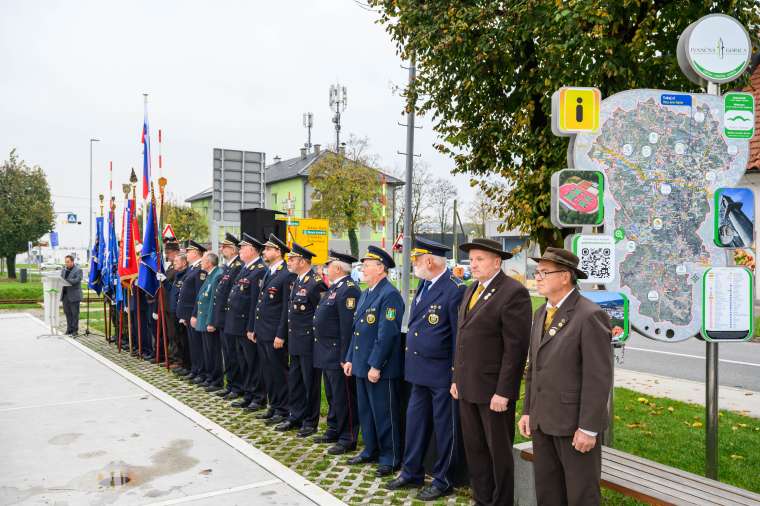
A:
[233, 74]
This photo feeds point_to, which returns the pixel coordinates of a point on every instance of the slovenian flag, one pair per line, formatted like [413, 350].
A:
[150, 255]
[146, 153]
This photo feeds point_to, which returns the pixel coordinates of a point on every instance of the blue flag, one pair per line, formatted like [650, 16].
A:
[96, 257]
[110, 268]
[150, 256]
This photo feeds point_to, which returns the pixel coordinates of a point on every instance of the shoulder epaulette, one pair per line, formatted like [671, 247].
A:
[458, 282]
[350, 283]
[260, 266]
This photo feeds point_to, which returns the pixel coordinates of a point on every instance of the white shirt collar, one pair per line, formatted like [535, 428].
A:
[232, 260]
[549, 305]
[485, 285]
[196, 263]
[301, 276]
[432, 281]
[273, 267]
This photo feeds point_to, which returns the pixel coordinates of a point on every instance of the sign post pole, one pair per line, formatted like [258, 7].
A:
[711, 384]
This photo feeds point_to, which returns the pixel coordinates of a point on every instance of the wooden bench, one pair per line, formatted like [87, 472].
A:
[658, 484]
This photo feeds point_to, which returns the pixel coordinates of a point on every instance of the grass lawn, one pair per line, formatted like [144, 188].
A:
[14, 289]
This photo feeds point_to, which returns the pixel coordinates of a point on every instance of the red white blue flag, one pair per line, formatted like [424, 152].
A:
[146, 153]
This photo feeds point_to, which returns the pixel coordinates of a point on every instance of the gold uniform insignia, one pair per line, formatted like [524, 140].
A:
[390, 314]
[203, 276]
[350, 302]
[433, 318]
[370, 318]
[306, 278]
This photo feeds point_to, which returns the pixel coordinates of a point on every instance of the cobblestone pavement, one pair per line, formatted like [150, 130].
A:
[351, 484]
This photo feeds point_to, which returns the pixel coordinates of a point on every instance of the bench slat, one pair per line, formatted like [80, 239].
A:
[696, 481]
[677, 488]
[654, 483]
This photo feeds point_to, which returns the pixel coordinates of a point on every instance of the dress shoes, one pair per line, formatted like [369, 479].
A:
[214, 388]
[339, 449]
[286, 426]
[253, 407]
[431, 493]
[324, 439]
[401, 482]
[198, 380]
[306, 431]
[360, 459]
[222, 392]
[240, 403]
[268, 414]
[383, 470]
[275, 419]
[232, 396]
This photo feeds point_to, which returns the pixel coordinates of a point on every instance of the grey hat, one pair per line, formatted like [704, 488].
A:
[562, 257]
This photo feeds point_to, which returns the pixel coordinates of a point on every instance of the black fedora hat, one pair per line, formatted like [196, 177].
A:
[562, 257]
[486, 245]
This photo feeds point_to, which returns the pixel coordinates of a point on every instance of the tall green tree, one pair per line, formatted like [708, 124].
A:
[347, 193]
[487, 70]
[187, 223]
[26, 210]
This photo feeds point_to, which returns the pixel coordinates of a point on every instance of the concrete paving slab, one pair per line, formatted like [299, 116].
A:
[76, 430]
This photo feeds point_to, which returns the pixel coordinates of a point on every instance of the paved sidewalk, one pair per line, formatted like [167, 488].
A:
[76, 429]
[743, 401]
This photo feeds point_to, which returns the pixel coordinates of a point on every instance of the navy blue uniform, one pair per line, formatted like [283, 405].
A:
[304, 380]
[377, 343]
[188, 294]
[430, 345]
[333, 327]
[232, 368]
[180, 331]
[270, 320]
[243, 295]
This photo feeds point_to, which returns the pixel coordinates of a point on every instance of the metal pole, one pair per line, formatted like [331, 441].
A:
[89, 243]
[407, 244]
[711, 387]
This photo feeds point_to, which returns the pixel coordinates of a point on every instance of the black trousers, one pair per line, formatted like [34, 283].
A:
[275, 371]
[212, 357]
[183, 344]
[342, 414]
[196, 352]
[304, 391]
[488, 437]
[231, 361]
[71, 310]
[250, 360]
[563, 475]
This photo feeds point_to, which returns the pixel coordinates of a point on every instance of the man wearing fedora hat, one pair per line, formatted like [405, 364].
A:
[492, 343]
[567, 385]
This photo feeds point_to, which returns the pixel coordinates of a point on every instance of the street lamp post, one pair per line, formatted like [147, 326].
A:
[89, 220]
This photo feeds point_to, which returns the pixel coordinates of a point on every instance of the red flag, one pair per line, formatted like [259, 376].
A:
[128, 265]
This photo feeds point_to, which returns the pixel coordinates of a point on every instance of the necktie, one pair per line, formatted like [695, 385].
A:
[549, 317]
[475, 296]
[422, 292]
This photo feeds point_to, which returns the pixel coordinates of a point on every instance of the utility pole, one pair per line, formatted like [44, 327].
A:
[407, 244]
[338, 102]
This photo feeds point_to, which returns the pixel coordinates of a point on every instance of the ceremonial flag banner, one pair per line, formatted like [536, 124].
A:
[128, 256]
[146, 153]
[94, 280]
[110, 269]
[150, 256]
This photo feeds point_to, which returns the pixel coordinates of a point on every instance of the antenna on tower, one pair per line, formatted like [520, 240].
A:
[338, 102]
[308, 122]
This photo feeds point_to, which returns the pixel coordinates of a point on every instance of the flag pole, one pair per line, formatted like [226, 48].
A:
[161, 301]
[137, 294]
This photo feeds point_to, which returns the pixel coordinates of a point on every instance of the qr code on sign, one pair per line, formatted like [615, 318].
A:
[597, 258]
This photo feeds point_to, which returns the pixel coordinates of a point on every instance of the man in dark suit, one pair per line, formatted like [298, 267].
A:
[492, 344]
[375, 358]
[191, 285]
[180, 331]
[241, 303]
[270, 329]
[230, 270]
[567, 385]
[171, 250]
[333, 328]
[304, 380]
[430, 343]
[71, 296]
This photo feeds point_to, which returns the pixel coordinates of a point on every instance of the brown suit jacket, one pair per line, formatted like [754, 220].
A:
[570, 373]
[492, 341]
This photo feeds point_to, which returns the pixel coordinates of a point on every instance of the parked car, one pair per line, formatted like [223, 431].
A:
[50, 266]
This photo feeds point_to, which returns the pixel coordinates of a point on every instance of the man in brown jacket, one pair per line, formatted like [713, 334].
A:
[567, 385]
[491, 346]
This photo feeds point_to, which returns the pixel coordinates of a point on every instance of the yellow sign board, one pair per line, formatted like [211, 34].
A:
[576, 110]
[312, 234]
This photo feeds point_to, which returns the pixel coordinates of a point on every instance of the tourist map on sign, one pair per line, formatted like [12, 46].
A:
[664, 154]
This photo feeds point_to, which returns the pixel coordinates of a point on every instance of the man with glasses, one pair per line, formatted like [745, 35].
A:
[375, 358]
[567, 385]
[492, 344]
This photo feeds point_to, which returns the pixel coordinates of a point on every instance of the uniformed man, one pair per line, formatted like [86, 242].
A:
[430, 344]
[243, 296]
[180, 331]
[212, 346]
[230, 359]
[375, 358]
[171, 250]
[270, 329]
[304, 380]
[333, 324]
[191, 285]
